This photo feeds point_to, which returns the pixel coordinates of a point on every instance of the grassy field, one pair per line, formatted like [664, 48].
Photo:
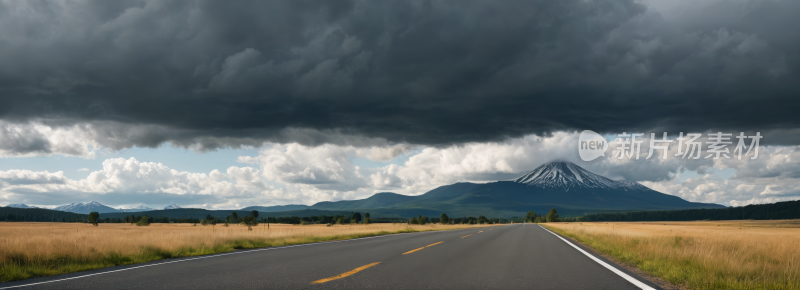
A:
[39, 249]
[701, 255]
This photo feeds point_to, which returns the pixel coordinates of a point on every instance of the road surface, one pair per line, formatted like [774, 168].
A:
[521, 256]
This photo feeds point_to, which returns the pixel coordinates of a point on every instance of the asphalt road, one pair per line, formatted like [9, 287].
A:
[521, 256]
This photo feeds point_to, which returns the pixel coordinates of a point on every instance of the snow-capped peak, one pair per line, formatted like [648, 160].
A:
[566, 175]
[173, 206]
[86, 207]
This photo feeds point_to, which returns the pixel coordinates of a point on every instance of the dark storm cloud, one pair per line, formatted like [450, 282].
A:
[222, 73]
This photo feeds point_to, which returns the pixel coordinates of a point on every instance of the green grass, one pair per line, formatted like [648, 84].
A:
[19, 267]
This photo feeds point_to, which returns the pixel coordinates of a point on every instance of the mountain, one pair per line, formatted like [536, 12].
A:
[20, 205]
[86, 207]
[561, 185]
[276, 208]
[139, 208]
[173, 206]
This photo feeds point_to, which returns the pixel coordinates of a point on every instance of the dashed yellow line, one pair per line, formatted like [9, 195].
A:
[414, 250]
[340, 276]
[465, 236]
[480, 232]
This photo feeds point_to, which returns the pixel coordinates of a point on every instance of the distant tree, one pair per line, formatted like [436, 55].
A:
[249, 221]
[204, 222]
[254, 213]
[444, 219]
[366, 218]
[145, 221]
[482, 219]
[419, 220]
[552, 216]
[356, 217]
[530, 217]
[93, 217]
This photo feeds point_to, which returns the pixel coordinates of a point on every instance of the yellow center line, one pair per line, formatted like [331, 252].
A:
[414, 250]
[480, 232]
[465, 236]
[340, 276]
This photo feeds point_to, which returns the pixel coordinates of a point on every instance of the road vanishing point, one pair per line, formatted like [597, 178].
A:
[519, 256]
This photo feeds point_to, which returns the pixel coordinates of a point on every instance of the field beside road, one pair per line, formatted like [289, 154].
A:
[39, 249]
[700, 255]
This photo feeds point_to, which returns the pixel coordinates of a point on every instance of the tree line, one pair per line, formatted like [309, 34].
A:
[778, 210]
[48, 215]
[550, 217]
[11, 214]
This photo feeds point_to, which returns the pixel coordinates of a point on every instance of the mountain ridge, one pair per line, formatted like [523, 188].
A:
[86, 207]
[560, 184]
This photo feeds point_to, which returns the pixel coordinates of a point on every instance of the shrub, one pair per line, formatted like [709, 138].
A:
[144, 222]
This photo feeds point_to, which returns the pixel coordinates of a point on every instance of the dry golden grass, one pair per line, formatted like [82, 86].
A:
[37, 249]
[701, 255]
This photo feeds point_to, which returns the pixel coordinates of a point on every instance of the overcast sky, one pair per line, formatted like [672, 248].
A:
[220, 104]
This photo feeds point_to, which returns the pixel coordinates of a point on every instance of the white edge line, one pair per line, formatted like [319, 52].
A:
[208, 256]
[604, 264]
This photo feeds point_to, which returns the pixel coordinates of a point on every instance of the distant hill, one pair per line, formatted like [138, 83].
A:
[173, 206]
[33, 214]
[778, 210]
[20, 205]
[86, 207]
[379, 200]
[276, 208]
